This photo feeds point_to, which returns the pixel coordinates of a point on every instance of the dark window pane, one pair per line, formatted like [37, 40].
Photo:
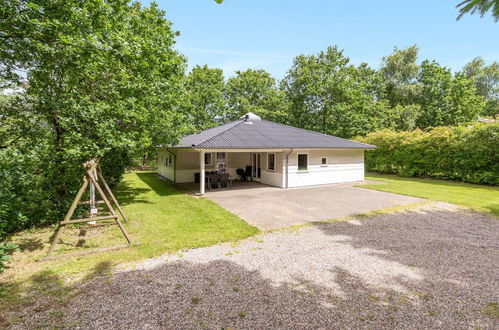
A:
[271, 162]
[324, 161]
[207, 159]
[302, 162]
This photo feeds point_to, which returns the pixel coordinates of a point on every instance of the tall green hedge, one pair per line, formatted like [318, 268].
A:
[469, 154]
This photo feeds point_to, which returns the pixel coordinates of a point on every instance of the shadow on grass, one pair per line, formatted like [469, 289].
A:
[493, 208]
[160, 187]
[127, 194]
[44, 291]
[30, 244]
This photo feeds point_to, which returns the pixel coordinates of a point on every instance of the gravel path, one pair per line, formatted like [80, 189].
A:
[434, 267]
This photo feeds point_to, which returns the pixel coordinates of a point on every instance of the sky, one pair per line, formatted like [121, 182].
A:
[268, 34]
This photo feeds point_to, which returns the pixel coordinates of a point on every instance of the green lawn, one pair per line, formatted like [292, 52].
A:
[478, 197]
[161, 219]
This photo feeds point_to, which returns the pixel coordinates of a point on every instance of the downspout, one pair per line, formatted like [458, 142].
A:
[174, 165]
[287, 171]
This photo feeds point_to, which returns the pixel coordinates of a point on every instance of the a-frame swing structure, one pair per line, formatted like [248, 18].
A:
[92, 175]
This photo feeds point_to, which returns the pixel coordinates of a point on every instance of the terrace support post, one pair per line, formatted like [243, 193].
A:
[201, 172]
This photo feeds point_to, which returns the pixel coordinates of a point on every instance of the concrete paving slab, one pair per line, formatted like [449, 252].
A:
[270, 208]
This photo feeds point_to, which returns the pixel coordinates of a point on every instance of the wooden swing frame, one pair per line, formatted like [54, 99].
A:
[92, 174]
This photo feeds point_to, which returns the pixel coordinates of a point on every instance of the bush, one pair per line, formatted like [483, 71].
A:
[34, 192]
[468, 154]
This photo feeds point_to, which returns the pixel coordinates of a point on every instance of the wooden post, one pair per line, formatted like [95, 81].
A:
[68, 215]
[115, 201]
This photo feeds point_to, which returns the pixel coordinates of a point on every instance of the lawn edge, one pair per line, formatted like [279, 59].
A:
[372, 186]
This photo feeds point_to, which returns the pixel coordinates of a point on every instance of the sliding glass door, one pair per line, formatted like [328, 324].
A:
[256, 166]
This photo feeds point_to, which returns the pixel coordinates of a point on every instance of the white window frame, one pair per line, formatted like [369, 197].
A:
[298, 163]
[268, 169]
[327, 162]
[211, 159]
[170, 160]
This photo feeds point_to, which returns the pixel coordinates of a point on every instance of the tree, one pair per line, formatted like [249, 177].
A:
[330, 96]
[315, 88]
[97, 78]
[486, 79]
[400, 73]
[446, 99]
[479, 6]
[205, 97]
[255, 91]
[406, 116]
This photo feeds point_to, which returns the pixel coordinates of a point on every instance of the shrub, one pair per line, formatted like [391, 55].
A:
[33, 193]
[468, 154]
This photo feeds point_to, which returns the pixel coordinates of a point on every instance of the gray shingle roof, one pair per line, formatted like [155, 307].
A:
[255, 133]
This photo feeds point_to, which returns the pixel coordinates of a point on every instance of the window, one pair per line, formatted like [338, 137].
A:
[170, 159]
[302, 162]
[271, 162]
[324, 161]
[207, 159]
[221, 162]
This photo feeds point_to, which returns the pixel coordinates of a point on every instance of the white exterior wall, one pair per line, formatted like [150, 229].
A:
[164, 168]
[273, 178]
[188, 164]
[237, 160]
[343, 166]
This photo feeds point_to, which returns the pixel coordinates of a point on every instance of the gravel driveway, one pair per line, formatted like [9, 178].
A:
[433, 267]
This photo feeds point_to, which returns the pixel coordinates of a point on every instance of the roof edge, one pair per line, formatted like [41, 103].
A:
[223, 131]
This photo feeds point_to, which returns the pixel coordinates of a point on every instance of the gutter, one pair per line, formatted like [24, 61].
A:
[287, 171]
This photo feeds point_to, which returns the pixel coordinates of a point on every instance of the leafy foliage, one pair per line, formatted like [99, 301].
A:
[479, 6]
[446, 99]
[400, 72]
[329, 95]
[466, 154]
[101, 80]
[205, 97]
[255, 91]
[486, 78]
[5, 250]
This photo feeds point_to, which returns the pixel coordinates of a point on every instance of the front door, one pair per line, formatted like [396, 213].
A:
[257, 166]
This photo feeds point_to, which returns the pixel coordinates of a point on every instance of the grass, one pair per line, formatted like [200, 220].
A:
[162, 219]
[477, 197]
[492, 309]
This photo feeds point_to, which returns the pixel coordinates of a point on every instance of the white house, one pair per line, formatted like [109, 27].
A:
[274, 154]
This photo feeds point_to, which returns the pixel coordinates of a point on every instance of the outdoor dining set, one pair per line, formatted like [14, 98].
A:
[218, 181]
